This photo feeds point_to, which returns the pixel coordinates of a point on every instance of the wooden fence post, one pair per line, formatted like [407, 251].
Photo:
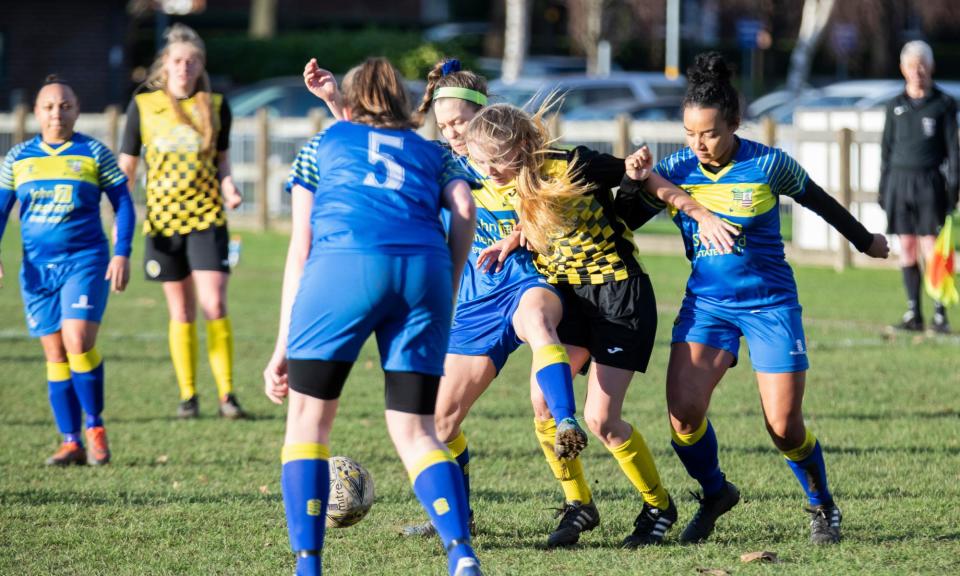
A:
[845, 139]
[622, 145]
[769, 131]
[113, 128]
[263, 168]
[19, 123]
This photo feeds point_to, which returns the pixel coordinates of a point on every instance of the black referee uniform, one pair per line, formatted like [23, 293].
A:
[919, 137]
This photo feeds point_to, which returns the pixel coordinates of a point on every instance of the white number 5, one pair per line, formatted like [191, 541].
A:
[375, 156]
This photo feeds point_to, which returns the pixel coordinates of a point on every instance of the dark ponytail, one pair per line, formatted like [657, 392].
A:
[708, 86]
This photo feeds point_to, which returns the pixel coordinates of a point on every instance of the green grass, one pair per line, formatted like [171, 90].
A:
[203, 497]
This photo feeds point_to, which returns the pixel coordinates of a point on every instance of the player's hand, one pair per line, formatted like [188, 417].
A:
[321, 83]
[118, 273]
[494, 255]
[275, 379]
[717, 233]
[639, 164]
[1, 274]
[232, 198]
[878, 248]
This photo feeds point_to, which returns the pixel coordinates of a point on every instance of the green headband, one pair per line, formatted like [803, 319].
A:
[461, 93]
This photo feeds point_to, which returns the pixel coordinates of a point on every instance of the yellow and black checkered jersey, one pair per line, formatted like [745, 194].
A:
[599, 248]
[183, 188]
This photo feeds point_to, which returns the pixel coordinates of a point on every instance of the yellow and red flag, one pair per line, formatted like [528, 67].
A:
[940, 268]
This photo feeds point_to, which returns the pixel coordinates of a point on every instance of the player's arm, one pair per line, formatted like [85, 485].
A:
[232, 198]
[8, 196]
[604, 171]
[131, 144]
[815, 198]
[118, 271]
[275, 375]
[322, 84]
[458, 199]
[641, 181]
[886, 145]
[953, 154]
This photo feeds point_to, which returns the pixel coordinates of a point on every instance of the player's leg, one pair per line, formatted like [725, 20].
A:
[436, 478]
[83, 302]
[64, 403]
[606, 390]
[184, 343]
[315, 387]
[416, 323]
[912, 280]
[465, 379]
[535, 321]
[781, 395]
[207, 252]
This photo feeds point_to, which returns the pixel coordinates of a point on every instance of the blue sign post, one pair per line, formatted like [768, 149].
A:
[748, 35]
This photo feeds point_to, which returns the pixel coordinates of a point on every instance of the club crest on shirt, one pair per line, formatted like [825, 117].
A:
[75, 165]
[743, 197]
[929, 126]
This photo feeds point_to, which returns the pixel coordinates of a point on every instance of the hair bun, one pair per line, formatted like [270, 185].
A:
[709, 68]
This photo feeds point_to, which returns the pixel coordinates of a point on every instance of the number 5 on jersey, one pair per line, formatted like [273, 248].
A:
[377, 156]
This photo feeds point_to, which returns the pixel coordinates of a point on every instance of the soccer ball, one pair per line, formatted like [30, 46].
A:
[351, 492]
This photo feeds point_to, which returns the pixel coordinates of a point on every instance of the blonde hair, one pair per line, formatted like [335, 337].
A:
[375, 93]
[454, 79]
[547, 205]
[157, 80]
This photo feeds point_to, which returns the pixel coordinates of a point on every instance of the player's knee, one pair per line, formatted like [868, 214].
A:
[786, 432]
[447, 424]
[600, 424]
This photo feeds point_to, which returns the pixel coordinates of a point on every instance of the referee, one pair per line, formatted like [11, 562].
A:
[919, 136]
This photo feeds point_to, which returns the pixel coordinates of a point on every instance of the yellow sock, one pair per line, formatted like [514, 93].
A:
[183, 352]
[569, 472]
[802, 451]
[220, 352]
[636, 461]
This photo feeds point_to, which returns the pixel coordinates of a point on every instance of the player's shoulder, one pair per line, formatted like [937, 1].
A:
[678, 165]
[22, 149]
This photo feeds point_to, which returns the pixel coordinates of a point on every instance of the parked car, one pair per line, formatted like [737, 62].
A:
[287, 96]
[854, 94]
[579, 91]
[660, 110]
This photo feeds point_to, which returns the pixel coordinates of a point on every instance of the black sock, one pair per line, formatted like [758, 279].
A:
[911, 282]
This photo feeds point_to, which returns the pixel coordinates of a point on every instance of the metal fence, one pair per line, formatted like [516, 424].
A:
[838, 147]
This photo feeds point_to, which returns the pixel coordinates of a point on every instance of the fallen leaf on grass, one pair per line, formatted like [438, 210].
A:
[264, 490]
[162, 459]
[713, 572]
[763, 556]
[176, 485]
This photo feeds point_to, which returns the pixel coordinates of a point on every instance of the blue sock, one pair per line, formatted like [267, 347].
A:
[698, 453]
[87, 374]
[305, 480]
[553, 376]
[811, 471]
[438, 484]
[461, 452]
[63, 401]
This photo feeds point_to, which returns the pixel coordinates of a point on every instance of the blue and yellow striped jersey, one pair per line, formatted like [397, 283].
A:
[747, 193]
[375, 190]
[59, 192]
[496, 219]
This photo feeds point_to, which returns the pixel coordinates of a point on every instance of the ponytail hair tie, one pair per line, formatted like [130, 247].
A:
[450, 66]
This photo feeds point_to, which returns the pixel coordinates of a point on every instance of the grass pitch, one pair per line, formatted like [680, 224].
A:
[203, 497]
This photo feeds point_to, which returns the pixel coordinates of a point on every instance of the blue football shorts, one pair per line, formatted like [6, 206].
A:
[405, 300]
[52, 292]
[484, 327]
[774, 334]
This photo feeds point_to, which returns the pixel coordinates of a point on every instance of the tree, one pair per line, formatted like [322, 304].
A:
[516, 38]
[263, 18]
[816, 15]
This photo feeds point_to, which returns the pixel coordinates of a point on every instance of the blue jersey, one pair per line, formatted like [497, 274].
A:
[59, 191]
[747, 193]
[496, 219]
[376, 191]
